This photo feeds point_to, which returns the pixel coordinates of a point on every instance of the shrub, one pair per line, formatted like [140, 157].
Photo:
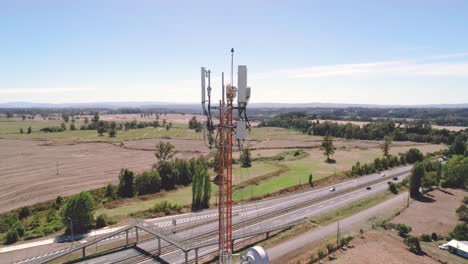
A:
[166, 207]
[426, 238]
[462, 212]
[7, 222]
[344, 241]
[11, 237]
[24, 212]
[434, 237]
[321, 254]
[20, 230]
[330, 248]
[52, 129]
[103, 220]
[58, 201]
[392, 188]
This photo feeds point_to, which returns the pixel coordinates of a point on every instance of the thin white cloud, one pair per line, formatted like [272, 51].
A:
[448, 56]
[381, 68]
[42, 90]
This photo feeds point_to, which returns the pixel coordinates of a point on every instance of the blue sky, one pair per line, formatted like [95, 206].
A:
[384, 52]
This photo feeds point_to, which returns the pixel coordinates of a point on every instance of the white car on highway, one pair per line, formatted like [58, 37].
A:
[382, 174]
[332, 189]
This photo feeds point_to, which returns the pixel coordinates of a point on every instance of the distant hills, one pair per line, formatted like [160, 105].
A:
[191, 106]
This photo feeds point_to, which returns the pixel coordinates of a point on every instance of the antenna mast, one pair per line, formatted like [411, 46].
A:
[225, 131]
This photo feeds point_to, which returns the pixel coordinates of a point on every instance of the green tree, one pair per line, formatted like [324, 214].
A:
[110, 191]
[245, 159]
[148, 182]
[11, 237]
[21, 130]
[126, 183]
[95, 118]
[201, 188]
[168, 174]
[460, 232]
[328, 147]
[413, 244]
[413, 155]
[65, 117]
[454, 172]
[462, 212]
[386, 145]
[79, 209]
[24, 212]
[311, 183]
[63, 126]
[58, 201]
[101, 130]
[72, 126]
[458, 146]
[29, 130]
[403, 230]
[164, 151]
[392, 188]
[112, 133]
[417, 173]
[113, 125]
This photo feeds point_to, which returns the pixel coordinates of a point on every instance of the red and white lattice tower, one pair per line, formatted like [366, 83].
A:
[228, 135]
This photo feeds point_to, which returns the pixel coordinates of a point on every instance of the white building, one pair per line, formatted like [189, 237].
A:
[458, 247]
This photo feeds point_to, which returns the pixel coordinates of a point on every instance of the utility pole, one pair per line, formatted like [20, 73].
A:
[338, 234]
[225, 130]
[57, 168]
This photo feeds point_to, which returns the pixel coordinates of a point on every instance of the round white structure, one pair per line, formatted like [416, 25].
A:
[256, 255]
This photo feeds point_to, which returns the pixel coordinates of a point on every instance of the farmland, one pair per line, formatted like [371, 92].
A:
[85, 160]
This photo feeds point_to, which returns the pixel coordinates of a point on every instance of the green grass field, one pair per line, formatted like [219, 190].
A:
[11, 130]
[276, 133]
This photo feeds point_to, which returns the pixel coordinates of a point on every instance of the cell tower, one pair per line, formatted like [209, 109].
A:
[225, 135]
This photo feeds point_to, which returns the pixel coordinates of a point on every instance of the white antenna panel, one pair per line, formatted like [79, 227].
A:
[242, 84]
[203, 86]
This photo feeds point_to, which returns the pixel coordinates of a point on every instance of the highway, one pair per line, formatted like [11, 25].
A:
[254, 216]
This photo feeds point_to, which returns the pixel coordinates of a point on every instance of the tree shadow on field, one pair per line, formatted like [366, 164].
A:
[446, 192]
[425, 199]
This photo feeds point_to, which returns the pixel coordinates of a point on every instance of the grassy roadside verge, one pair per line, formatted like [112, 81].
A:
[351, 209]
[329, 217]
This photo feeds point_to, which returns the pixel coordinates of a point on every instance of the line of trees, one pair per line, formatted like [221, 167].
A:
[412, 156]
[167, 174]
[417, 131]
